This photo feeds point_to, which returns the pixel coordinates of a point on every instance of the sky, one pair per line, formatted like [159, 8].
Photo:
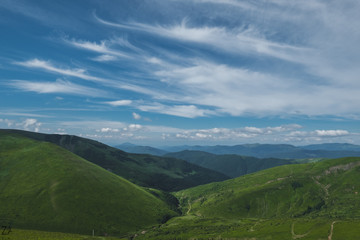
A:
[175, 72]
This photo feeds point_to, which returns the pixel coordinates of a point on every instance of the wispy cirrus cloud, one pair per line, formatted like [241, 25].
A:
[118, 103]
[48, 66]
[241, 40]
[187, 111]
[59, 86]
[102, 47]
[105, 58]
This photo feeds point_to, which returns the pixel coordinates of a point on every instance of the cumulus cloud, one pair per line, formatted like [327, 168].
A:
[136, 116]
[235, 133]
[30, 124]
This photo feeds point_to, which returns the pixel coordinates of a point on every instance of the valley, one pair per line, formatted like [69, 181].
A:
[53, 188]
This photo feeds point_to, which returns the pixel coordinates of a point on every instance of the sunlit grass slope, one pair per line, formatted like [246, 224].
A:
[44, 186]
[167, 174]
[255, 229]
[329, 188]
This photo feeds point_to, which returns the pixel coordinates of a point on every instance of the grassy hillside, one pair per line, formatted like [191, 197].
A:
[306, 201]
[192, 227]
[44, 186]
[328, 188]
[229, 164]
[167, 174]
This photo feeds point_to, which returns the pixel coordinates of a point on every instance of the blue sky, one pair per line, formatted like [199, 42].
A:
[182, 72]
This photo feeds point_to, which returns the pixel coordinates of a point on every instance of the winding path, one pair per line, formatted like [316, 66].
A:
[296, 236]
[331, 230]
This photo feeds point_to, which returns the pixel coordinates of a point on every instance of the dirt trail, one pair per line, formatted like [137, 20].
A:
[323, 187]
[188, 211]
[296, 236]
[331, 230]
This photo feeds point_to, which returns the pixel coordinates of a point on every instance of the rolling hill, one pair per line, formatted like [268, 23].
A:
[301, 201]
[328, 188]
[46, 187]
[230, 164]
[167, 174]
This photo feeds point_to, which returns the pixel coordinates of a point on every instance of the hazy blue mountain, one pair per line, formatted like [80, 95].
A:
[230, 164]
[284, 151]
[132, 148]
[333, 147]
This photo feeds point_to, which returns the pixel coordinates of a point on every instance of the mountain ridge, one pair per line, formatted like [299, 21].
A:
[166, 174]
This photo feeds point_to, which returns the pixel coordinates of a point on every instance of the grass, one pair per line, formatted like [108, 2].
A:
[322, 189]
[46, 187]
[21, 234]
[254, 229]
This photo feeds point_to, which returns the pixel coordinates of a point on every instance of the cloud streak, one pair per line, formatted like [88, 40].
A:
[60, 86]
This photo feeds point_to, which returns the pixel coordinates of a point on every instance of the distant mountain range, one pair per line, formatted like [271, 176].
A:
[284, 151]
[229, 164]
[132, 148]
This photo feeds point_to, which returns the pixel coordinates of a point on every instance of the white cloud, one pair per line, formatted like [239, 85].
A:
[46, 65]
[30, 124]
[100, 48]
[239, 40]
[60, 86]
[119, 103]
[105, 58]
[136, 116]
[221, 134]
[188, 111]
[331, 133]
[105, 130]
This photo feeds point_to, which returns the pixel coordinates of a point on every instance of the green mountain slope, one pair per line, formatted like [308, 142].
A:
[167, 174]
[46, 187]
[229, 164]
[328, 188]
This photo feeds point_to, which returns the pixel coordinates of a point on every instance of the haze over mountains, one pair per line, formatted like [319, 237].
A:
[285, 151]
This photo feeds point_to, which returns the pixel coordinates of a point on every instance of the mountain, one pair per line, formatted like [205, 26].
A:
[167, 174]
[328, 188]
[230, 165]
[333, 147]
[283, 151]
[132, 148]
[46, 187]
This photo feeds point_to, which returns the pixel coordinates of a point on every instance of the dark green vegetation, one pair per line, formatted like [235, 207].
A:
[284, 151]
[231, 165]
[145, 170]
[44, 186]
